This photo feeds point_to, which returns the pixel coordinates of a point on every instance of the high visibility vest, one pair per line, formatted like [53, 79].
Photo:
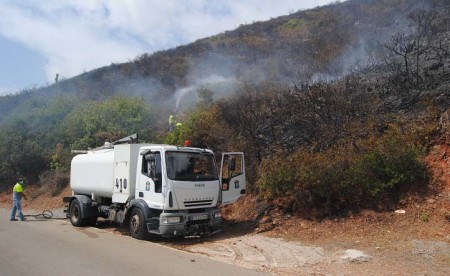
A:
[171, 120]
[18, 188]
[17, 192]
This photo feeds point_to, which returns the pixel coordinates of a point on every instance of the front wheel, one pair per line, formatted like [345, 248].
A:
[137, 224]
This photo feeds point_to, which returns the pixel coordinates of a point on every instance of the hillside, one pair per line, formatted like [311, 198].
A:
[320, 44]
[342, 112]
[335, 107]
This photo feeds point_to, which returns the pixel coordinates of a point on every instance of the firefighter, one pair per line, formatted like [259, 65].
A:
[17, 201]
[171, 122]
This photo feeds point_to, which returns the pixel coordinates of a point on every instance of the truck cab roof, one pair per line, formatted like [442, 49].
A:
[166, 147]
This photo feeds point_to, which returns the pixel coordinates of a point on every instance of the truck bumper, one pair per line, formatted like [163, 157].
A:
[190, 229]
[187, 227]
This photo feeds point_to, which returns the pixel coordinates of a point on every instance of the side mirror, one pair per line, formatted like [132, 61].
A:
[151, 169]
[151, 166]
[150, 158]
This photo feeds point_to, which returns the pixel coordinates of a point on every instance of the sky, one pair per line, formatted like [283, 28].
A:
[42, 38]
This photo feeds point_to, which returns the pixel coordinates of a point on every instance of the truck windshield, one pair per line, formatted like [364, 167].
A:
[190, 166]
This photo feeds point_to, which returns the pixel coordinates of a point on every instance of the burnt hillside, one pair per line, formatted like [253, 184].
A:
[334, 106]
[325, 43]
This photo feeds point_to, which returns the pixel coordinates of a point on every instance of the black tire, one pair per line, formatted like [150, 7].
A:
[138, 230]
[75, 214]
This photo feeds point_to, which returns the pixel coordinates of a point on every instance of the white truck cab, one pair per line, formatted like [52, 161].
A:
[159, 189]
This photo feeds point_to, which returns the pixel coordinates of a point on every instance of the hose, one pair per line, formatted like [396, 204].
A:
[46, 214]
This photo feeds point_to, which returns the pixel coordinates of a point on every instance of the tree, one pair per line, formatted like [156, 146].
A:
[411, 57]
[112, 119]
[22, 155]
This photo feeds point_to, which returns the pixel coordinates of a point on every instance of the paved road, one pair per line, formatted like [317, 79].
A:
[55, 247]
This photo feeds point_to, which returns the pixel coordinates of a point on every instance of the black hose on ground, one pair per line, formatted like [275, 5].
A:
[46, 214]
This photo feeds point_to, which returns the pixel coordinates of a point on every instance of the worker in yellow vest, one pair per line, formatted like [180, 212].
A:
[171, 122]
[17, 201]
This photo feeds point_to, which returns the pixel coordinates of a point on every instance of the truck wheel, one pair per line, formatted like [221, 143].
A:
[137, 224]
[75, 214]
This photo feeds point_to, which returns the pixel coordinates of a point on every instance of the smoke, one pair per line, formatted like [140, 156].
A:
[353, 59]
[214, 82]
[368, 35]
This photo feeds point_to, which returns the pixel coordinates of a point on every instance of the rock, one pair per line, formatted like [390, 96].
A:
[355, 256]
[264, 228]
[431, 201]
[266, 219]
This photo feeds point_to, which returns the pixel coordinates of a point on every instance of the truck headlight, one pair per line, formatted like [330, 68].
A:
[167, 220]
[217, 215]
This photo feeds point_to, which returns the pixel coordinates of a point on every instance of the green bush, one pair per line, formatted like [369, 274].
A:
[278, 177]
[371, 175]
[293, 24]
[203, 128]
[94, 124]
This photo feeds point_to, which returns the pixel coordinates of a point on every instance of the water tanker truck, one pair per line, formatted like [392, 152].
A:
[156, 189]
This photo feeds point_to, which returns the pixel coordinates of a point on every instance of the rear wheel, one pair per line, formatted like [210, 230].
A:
[137, 224]
[75, 214]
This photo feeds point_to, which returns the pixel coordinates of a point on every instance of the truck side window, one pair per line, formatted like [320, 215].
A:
[151, 167]
[158, 173]
[232, 166]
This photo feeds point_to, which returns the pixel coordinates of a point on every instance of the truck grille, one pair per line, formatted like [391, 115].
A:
[198, 203]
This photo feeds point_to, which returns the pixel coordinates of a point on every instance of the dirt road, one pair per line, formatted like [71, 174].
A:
[280, 257]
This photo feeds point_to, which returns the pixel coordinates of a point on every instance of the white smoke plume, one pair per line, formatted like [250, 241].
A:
[191, 90]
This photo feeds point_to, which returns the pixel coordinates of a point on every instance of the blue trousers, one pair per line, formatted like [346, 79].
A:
[17, 206]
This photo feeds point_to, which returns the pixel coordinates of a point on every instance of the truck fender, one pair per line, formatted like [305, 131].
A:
[141, 204]
[88, 210]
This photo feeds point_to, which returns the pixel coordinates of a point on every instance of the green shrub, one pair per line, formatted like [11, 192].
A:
[348, 177]
[278, 177]
[203, 128]
[294, 23]
[425, 217]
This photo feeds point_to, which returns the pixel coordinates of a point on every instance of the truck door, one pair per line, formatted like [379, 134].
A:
[150, 180]
[232, 176]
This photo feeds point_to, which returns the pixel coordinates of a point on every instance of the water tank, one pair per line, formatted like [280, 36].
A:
[93, 173]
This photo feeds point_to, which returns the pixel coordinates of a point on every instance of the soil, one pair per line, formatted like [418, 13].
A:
[412, 240]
